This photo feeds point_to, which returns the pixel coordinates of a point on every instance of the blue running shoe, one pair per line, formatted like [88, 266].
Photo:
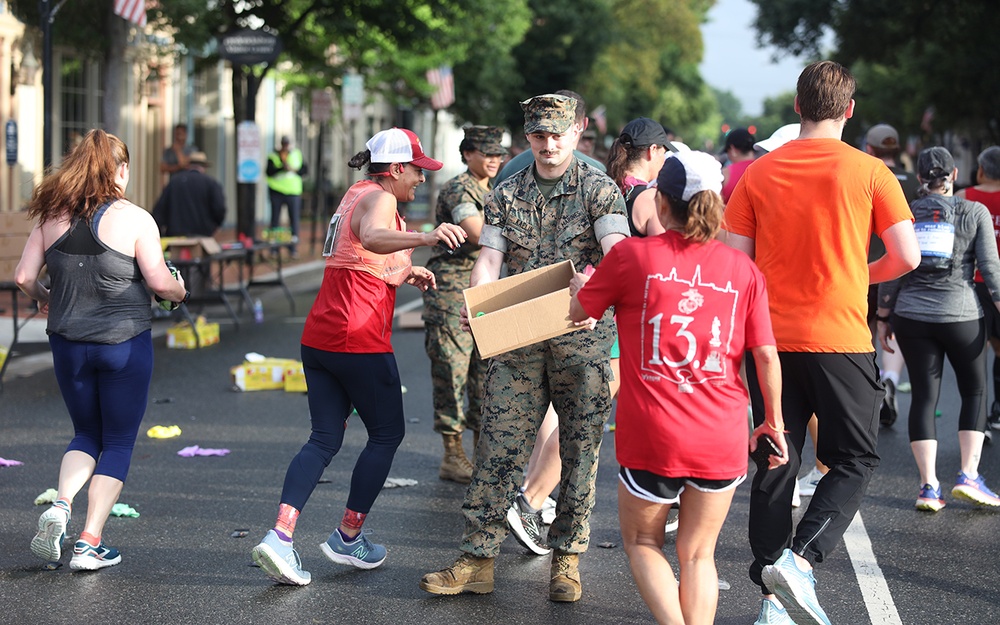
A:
[280, 561]
[930, 498]
[796, 589]
[47, 543]
[771, 613]
[87, 557]
[360, 552]
[974, 490]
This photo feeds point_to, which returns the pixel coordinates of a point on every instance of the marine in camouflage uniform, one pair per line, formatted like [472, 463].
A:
[456, 368]
[571, 371]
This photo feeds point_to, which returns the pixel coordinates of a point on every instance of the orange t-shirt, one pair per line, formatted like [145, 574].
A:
[811, 206]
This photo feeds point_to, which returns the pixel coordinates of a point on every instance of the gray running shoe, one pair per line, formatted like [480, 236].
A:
[527, 526]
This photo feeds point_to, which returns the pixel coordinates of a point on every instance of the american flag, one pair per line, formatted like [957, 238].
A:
[444, 83]
[132, 10]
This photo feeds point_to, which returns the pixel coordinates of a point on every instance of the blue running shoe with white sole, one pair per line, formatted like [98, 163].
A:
[280, 561]
[360, 552]
[87, 557]
[771, 613]
[796, 589]
[974, 490]
[47, 543]
[930, 498]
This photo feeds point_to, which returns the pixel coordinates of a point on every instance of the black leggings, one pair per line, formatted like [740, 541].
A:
[924, 346]
[369, 382]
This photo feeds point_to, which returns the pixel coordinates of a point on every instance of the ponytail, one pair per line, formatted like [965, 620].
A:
[701, 216]
[363, 158]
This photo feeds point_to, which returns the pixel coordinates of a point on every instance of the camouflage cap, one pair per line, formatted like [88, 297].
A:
[549, 113]
[487, 139]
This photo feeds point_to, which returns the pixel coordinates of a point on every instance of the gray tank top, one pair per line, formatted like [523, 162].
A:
[97, 294]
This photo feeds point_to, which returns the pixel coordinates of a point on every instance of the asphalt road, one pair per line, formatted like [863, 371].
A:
[181, 563]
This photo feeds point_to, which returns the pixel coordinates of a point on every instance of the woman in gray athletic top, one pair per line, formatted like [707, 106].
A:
[935, 313]
[98, 249]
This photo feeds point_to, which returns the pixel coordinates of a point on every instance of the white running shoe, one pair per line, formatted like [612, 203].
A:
[809, 481]
[548, 511]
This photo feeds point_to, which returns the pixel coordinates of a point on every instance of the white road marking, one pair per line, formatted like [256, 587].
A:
[874, 589]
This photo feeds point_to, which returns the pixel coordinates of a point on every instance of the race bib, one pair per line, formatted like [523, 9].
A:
[936, 239]
[332, 232]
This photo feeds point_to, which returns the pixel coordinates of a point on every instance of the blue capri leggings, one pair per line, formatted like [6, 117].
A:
[105, 388]
[369, 382]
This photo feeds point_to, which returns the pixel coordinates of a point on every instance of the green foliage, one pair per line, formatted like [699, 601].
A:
[557, 51]
[487, 80]
[778, 111]
[79, 25]
[650, 66]
[908, 56]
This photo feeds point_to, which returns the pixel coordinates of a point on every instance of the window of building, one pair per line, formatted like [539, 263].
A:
[81, 100]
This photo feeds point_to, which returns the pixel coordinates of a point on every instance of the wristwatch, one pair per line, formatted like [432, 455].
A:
[882, 319]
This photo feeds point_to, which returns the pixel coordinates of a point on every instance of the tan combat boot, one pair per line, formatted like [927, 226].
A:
[565, 583]
[455, 466]
[468, 574]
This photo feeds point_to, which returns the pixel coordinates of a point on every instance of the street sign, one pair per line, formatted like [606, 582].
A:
[10, 136]
[249, 47]
[247, 152]
[353, 95]
[322, 105]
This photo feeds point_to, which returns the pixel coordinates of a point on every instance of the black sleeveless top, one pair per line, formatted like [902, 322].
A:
[97, 294]
[629, 201]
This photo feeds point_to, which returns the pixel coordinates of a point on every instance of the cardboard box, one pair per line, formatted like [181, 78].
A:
[521, 310]
[185, 248]
[263, 375]
[181, 336]
[295, 379]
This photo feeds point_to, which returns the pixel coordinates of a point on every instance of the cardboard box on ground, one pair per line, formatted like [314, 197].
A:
[181, 336]
[267, 374]
[521, 310]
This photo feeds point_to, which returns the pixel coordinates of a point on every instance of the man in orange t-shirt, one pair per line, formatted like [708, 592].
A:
[805, 212]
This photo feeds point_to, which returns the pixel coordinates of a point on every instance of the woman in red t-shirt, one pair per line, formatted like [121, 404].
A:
[347, 353]
[687, 308]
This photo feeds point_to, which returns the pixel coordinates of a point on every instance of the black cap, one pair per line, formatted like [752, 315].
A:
[741, 139]
[934, 163]
[643, 131]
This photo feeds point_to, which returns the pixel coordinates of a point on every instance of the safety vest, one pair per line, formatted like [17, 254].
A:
[286, 182]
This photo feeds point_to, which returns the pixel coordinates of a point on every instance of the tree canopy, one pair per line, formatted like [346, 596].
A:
[922, 66]
[650, 66]
[636, 57]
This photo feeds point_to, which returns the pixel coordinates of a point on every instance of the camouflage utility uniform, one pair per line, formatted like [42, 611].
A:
[571, 371]
[455, 366]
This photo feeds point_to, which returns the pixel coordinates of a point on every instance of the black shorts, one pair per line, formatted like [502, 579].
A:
[990, 314]
[667, 490]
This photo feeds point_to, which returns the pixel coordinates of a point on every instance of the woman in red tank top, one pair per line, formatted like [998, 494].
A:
[347, 353]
